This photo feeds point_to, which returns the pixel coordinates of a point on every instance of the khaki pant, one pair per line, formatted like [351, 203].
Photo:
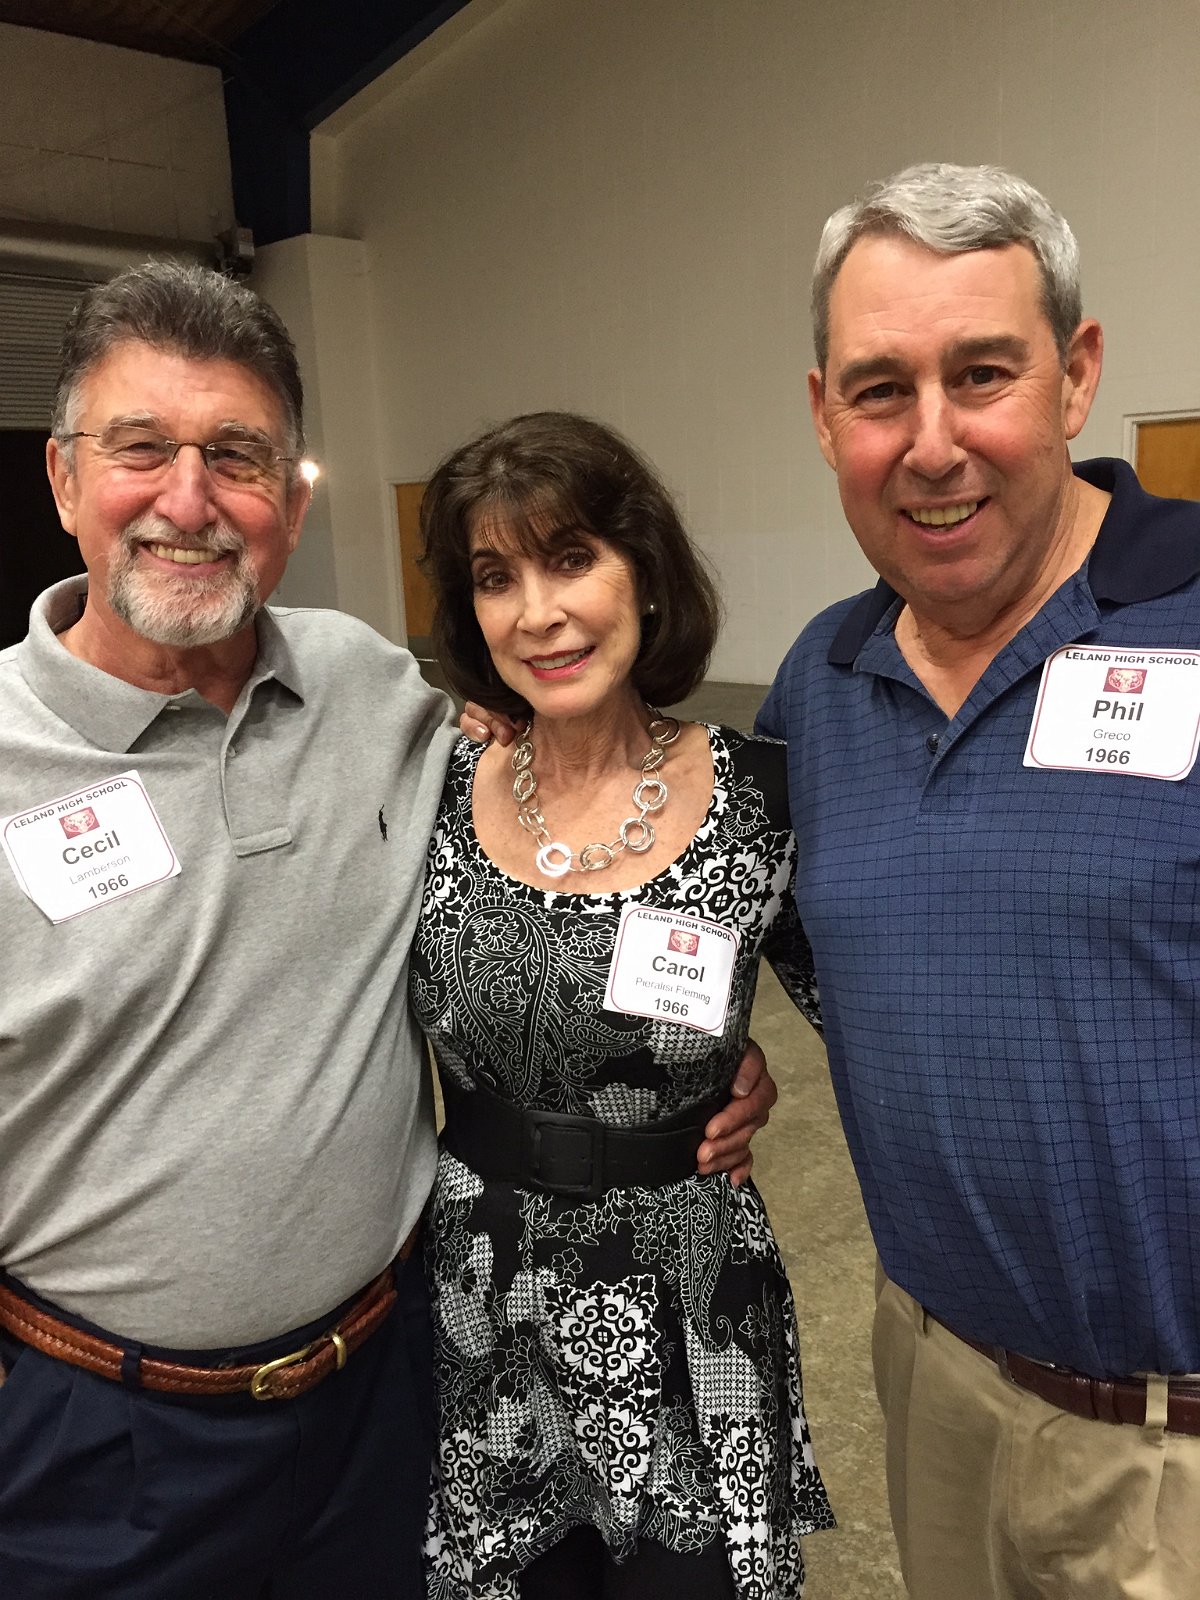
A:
[996, 1495]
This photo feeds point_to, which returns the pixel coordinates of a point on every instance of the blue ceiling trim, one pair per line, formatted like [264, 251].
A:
[291, 70]
[269, 163]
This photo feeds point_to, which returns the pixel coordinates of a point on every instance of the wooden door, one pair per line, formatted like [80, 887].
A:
[418, 596]
[1167, 457]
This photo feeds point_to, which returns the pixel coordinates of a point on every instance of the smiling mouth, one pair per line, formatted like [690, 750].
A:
[943, 516]
[569, 658]
[184, 558]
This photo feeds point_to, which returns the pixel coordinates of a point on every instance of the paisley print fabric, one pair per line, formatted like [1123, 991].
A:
[630, 1362]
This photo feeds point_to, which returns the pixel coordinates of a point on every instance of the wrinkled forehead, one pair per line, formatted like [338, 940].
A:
[890, 288]
[135, 379]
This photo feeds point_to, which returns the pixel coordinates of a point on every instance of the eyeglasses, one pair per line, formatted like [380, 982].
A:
[233, 461]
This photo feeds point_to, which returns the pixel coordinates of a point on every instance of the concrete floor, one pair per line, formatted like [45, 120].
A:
[802, 1166]
[803, 1169]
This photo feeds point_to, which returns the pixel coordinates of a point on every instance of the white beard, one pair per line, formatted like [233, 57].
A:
[185, 611]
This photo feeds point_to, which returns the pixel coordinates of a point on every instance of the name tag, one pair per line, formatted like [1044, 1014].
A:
[1131, 712]
[83, 850]
[676, 968]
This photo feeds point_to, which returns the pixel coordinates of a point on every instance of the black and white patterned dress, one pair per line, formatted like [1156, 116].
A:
[630, 1362]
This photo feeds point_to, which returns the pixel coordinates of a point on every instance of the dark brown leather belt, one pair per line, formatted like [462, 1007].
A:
[1101, 1399]
[281, 1379]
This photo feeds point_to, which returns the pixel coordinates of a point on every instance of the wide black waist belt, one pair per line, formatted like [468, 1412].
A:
[574, 1156]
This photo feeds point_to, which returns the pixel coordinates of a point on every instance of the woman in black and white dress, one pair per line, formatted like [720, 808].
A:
[618, 1371]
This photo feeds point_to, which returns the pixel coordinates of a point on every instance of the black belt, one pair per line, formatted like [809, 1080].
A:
[559, 1154]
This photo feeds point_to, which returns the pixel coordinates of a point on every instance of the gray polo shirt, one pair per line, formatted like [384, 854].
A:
[215, 1119]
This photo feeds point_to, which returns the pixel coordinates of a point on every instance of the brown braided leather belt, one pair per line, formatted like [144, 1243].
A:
[282, 1379]
[1101, 1399]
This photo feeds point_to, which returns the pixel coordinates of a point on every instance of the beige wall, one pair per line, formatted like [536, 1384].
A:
[348, 554]
[99, 137]
[613, 206]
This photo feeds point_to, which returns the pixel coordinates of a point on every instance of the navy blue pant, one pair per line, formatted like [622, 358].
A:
[109, 1493]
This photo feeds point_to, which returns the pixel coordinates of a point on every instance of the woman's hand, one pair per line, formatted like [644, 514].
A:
[482, 725]
[727, 1137]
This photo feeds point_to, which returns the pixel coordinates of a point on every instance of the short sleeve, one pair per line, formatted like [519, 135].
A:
[787, 949]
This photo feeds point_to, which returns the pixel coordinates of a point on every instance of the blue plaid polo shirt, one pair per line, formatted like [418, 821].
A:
[1009, 961]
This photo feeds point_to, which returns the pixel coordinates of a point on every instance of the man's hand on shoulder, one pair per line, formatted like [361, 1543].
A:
[482, 725]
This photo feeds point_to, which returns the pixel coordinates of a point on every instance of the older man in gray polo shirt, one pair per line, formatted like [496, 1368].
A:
[215, 1131]
[214, 1126]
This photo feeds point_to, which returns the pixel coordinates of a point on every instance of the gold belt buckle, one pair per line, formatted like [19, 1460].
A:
[260, 1383]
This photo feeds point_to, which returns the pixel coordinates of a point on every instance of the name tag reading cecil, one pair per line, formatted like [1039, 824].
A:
[676, 968]
[1101, 709]
[76, 853]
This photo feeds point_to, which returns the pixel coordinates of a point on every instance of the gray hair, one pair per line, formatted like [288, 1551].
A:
[952, 209]
[190, 311]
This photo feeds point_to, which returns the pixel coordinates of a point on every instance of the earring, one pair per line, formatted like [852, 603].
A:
[651, 609]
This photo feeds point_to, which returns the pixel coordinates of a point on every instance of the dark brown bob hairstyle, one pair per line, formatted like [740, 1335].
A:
[539, 475]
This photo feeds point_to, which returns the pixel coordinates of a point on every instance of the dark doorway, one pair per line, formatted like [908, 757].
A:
[34, 550]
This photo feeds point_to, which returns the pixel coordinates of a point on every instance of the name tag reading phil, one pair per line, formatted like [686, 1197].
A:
[676, 968]
[1101, 709]
[82, 850]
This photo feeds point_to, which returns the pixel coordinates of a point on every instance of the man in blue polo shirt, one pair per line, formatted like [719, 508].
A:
[999, 869]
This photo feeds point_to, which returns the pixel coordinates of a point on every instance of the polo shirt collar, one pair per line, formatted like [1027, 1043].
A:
[275, 658]
[106, 711]
[1146, 547]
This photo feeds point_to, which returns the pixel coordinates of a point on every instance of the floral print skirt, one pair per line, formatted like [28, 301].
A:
[630, 1363]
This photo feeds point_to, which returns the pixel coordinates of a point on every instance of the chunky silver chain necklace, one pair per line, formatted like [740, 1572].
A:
[555, 859]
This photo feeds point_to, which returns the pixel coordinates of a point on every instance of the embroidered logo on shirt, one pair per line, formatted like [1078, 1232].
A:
[1125, 680]
[77, 822]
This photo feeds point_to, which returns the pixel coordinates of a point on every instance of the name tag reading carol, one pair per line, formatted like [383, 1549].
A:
[675, 968]
[1134, 713]
[79, 852]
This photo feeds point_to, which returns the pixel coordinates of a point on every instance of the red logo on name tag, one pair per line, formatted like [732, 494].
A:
[77, 822]
[686, 943]
[1125, 680]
